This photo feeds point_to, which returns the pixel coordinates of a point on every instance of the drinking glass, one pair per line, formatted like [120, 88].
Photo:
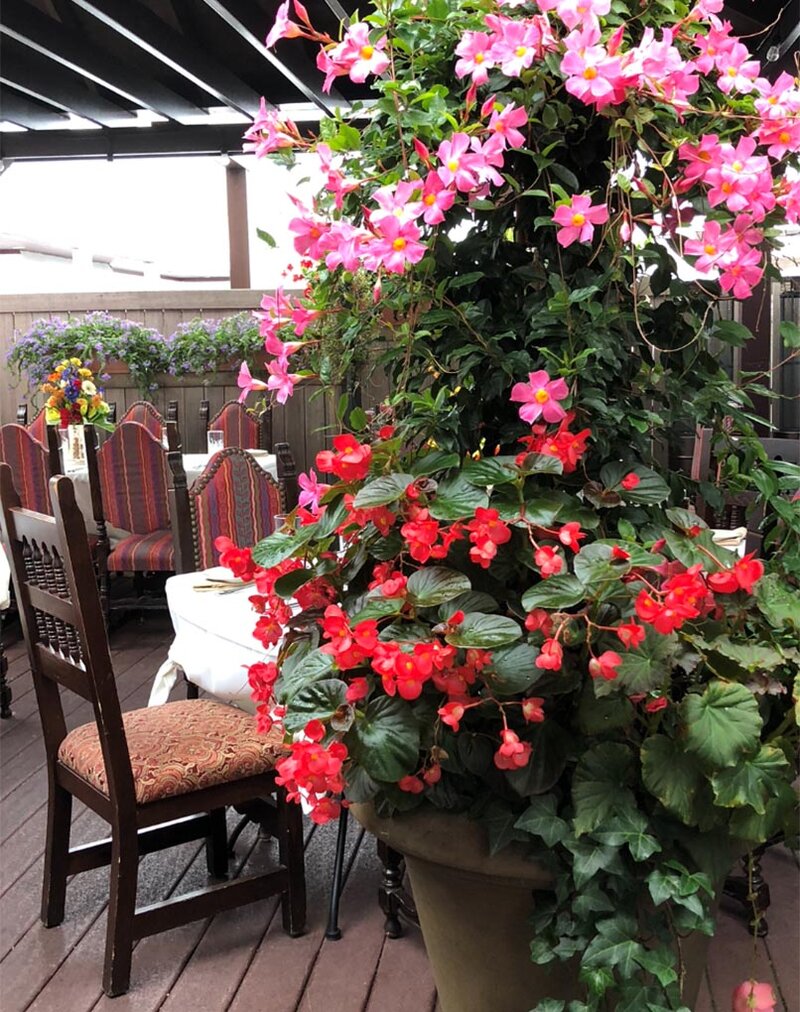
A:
[215, 439]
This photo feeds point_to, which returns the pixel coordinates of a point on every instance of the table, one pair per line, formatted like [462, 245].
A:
[213, 641]
[193, 465]
[5, 601]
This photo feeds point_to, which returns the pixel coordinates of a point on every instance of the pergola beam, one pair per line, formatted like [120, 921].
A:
[139, 25]
[60, 43]
[21, 110]
[123, 142]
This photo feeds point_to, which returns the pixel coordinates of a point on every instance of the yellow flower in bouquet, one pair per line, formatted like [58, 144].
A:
[73, 398]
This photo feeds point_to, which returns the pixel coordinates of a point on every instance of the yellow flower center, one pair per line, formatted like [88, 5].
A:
[773, 99]
[452, 164]
[783, 136]
[478, 58]
[709, 249]
[704, 156]
[578, 219]
[367, 51]
[521, 50]
[737, 166]
[590, 73]
[726, 187]
[711, 51]
[731, 71]
[429, 199]
[541, 396]
[399, 243]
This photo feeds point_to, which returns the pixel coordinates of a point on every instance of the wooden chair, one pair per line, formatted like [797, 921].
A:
[32, 462]
[145, 414]
[240, 427]
[128, 478]
[233, 497]
[38, 425]
[159, 776]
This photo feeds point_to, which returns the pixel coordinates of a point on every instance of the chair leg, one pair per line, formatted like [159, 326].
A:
[5, 688]
[333, 932]
[217, 845]
[121, 910]
[292, 857]
[390, 890]
[192, 690]
[56, 856]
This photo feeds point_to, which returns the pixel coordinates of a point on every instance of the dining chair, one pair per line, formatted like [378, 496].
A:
[38, 424]
[145, 414]
[33, 462]
[158, 776]
[128, 478]
[240, 426]
[233, 497]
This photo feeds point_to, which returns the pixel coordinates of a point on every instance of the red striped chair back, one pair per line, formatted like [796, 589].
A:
[132, 473]
[233, 497]
[145, 414]
[32, 464]
[38, 427]
[239, 426]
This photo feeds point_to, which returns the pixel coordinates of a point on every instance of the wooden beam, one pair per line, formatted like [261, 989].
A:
[238, 240]
[159, 139]
[141, 26]
[23, 111]
[58, 42]
[238, 15]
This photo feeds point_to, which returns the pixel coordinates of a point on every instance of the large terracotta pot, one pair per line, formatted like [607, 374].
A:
[474, 911]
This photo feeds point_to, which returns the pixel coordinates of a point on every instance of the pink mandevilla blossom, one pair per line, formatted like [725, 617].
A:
[713, 245]
[737, 72]
[281, 381]
[736, 175]
[270, 132]
[283, 28]
[578, 218]
[750, 996]
[516, 44]
[504, 123]
[540, 397]
[436, 199]
[246, 382]
[358, 56]
[458, 165]
[717, 42]
[580, 12]
[741, 275]
[593, 76]
[311, 491]
[395, 199]
[395, 245]
[473, 50]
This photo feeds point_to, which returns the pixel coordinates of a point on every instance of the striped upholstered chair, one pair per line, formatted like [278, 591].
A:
[33, 463]
[38, 426]
[239, 426]
[129, 478]
[145, 414]
[233, 497]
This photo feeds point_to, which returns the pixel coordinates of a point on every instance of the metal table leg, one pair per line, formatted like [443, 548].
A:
[333, 931]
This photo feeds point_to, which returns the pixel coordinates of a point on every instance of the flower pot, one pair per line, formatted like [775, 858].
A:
[474, 911]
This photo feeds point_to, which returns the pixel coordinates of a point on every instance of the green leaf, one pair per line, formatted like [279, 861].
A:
[474, 600]
[266, 237]
[484, 631]
[490, 470]
[777, 602]
[457, 499]
[549, 1005]
[300, 669]
[498, 820]
[377, 607]
[629, 827]
[594, 565]
[513, 669]
[688, 550]
[790, 334]
[279, 546]
[672, 775]
[551, 748]
[541, 463]
[599, 785]
[643, 668]
[540, 819]
[561, 591]
[752, 781]
[651, 490]
[661, 962]
[615, 946]
[589, 857]
[286, 585]
[749, 657]
[315, 702]
[432, 585]
[722, 723]
[383, 490]
[436, 460]
[597, 716]
[385, 742]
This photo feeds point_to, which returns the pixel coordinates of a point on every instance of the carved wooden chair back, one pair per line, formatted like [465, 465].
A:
[38, 426]
[233, 497]
[32, 463]
[145, 414]
[240, 427]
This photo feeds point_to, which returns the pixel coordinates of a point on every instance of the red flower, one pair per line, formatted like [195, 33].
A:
[238, 560]
[349, 459]
[356, 690]
[264, 719]
[551, 656]
[548, 560]
[433, 774]
[487, 531]
[750, 996]
[532, 709]
[513, 754]
[748, 572]
[315, 730]
[452, 714]
[386, 432]
[630, 481]
[420, 536]
[325, 809]
[262, 676]
[539, 619]
[571, 535]
[411, 784]
[723, 582]
[630, 634]
[620, 553]
[654, 705]
[605, 666]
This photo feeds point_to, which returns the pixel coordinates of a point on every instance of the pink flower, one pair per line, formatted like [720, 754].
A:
[516, 45]
[737, 72]
[504, 123]
[281, 381]
[458, 165]
[395, 199]
[356, 55]
[711, 248]
[280, 349]
[513, 754]
[741, 275]
[436, 199]
[309, 237]
[592, 75]
[475, 59]
[246, 382]
[540, 396]
[283, 28]
[750, 996]
[737, 175]
[701, 157]
[578, 12]
[713, 45]
[395, 245]
[311, 491]
[577, 219]
[270, 132]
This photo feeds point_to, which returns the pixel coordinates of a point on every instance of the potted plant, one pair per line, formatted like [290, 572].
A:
[497, 612]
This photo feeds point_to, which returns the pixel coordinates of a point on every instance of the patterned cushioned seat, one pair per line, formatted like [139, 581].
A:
[143, 553]
[178, 748]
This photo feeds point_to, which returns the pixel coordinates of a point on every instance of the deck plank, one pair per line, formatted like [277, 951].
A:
[783, 942]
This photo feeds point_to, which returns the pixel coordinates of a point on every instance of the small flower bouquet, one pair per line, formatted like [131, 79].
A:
[73, 398]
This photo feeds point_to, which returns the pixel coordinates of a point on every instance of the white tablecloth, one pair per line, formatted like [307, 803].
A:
[5, 580]
[213, 642]
[193, 465]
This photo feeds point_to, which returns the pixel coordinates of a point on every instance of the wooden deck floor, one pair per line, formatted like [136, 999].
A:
[241, 961]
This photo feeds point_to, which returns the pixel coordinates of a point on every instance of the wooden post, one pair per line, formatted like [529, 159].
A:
[239, 245]
[756, 354]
